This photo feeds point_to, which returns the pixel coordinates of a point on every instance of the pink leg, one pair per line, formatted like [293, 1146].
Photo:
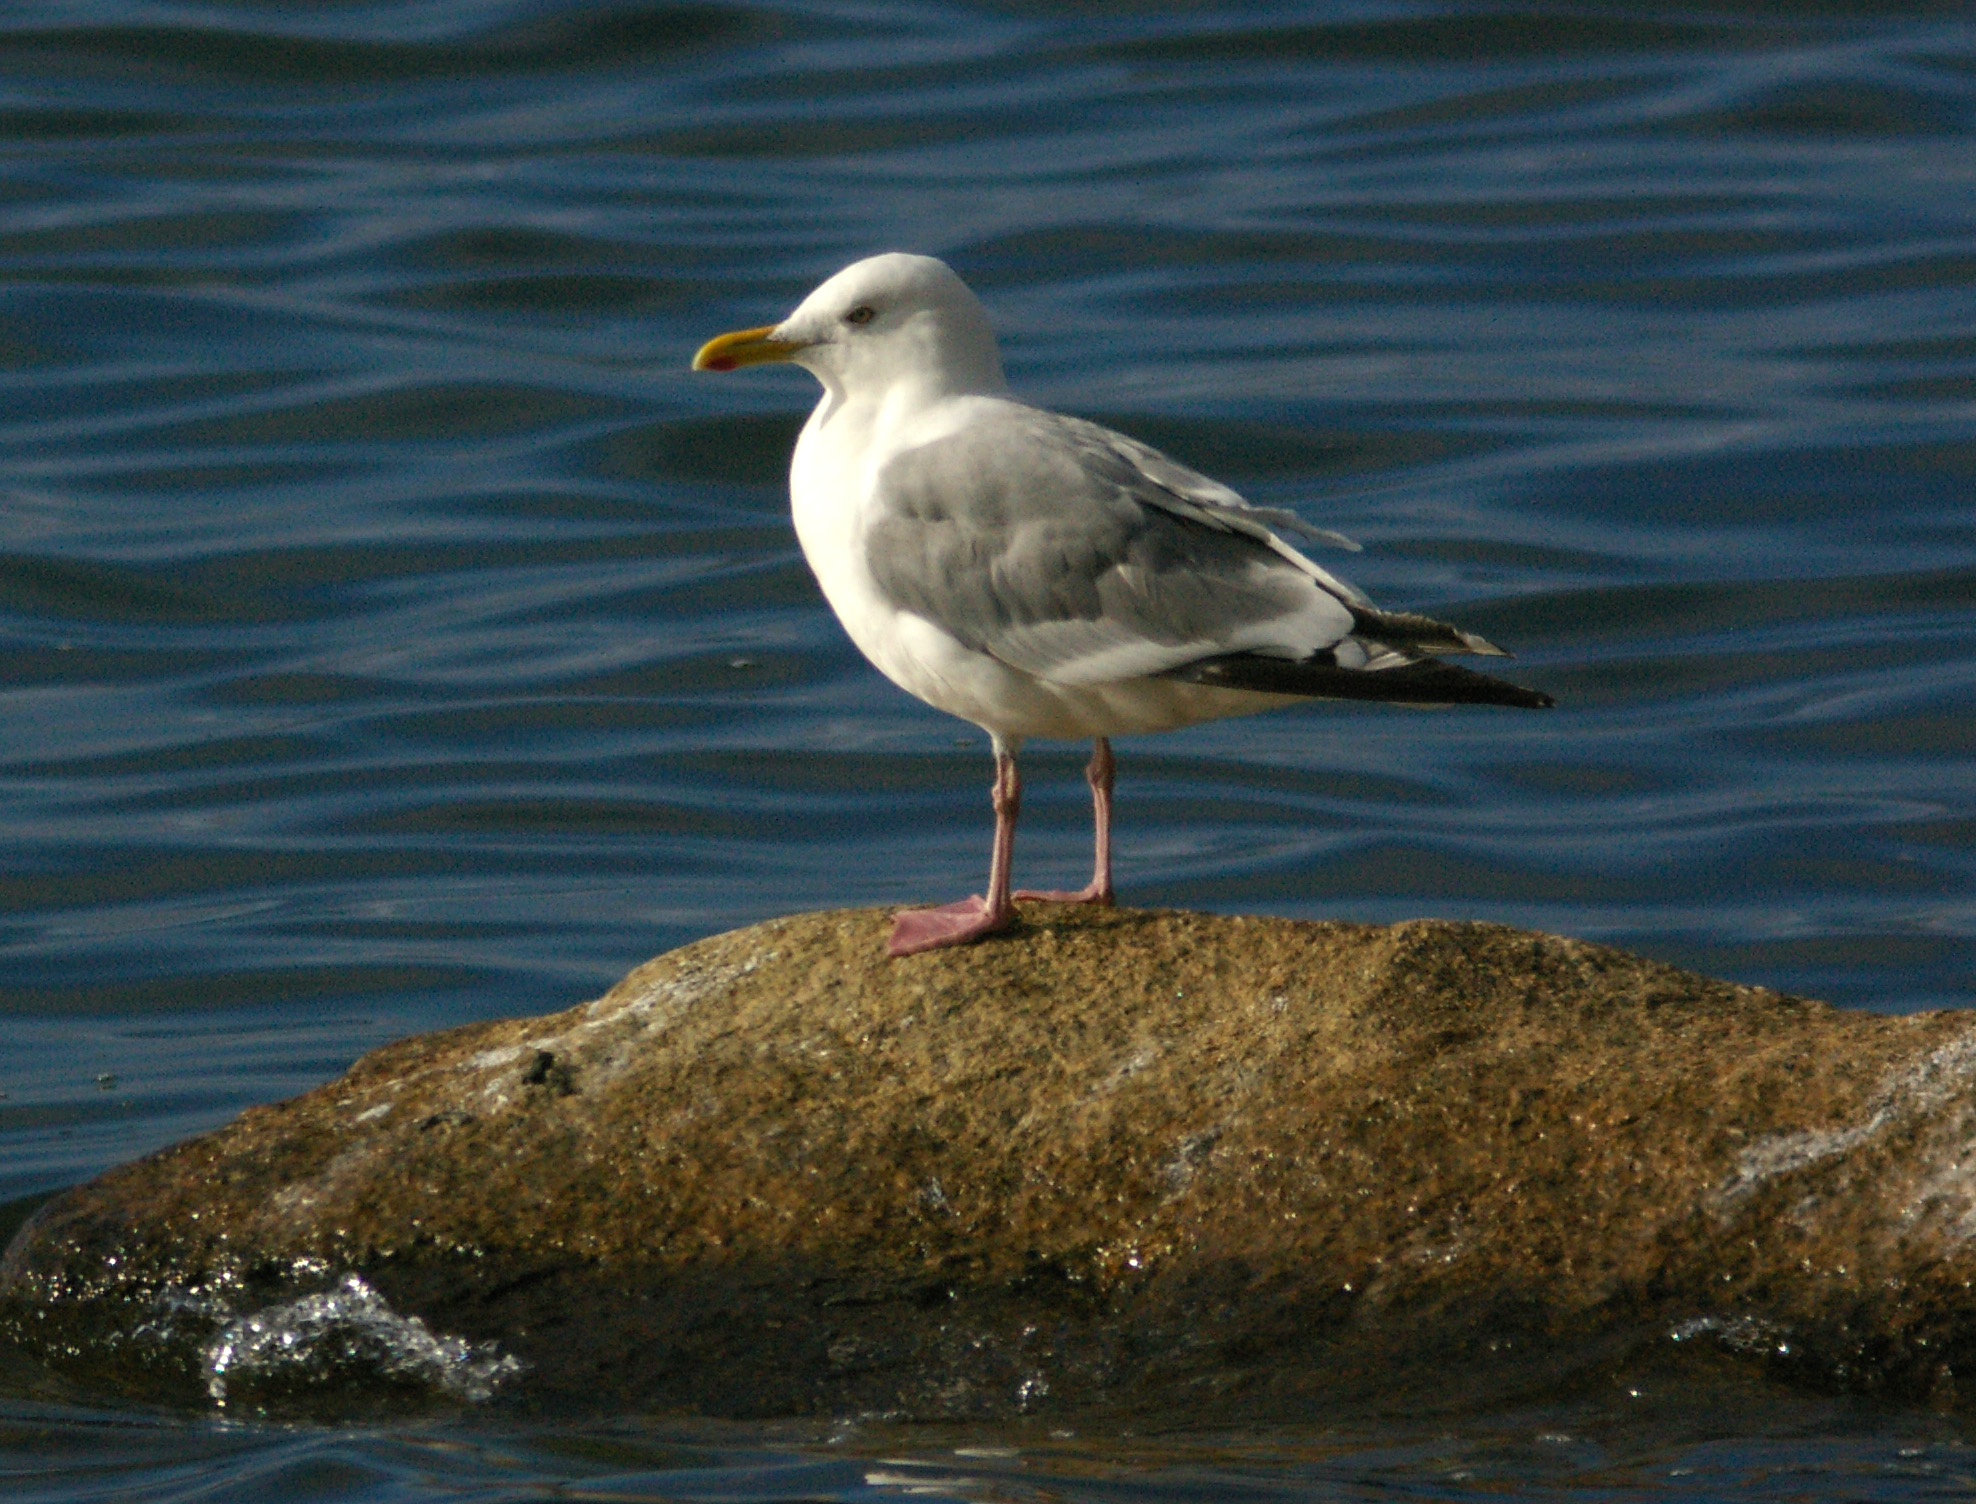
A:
[959, 923]
[1099, 776]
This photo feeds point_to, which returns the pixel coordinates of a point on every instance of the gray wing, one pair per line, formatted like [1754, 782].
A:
[1188, 493]
[1080, 556]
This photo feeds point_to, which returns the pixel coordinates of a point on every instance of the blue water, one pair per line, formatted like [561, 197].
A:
[394, 633]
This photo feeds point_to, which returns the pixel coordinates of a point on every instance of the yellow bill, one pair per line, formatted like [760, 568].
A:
[744, 347]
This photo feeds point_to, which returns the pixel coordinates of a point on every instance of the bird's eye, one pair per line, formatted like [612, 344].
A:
[862, 314]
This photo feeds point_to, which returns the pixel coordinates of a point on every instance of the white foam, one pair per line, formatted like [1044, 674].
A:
[349, 1333]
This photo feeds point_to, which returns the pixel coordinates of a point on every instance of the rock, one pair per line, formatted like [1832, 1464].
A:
[1163, 1161]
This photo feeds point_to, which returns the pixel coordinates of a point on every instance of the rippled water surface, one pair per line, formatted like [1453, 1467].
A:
[392, 631]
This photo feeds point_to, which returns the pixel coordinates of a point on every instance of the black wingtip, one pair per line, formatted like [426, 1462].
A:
[1426, 681]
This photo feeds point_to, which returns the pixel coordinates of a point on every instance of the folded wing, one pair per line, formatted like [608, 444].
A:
[1080, 556]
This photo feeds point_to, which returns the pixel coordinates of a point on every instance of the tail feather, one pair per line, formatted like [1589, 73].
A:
[1425, 681]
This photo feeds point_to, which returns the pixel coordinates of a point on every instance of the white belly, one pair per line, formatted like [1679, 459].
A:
[925, 661]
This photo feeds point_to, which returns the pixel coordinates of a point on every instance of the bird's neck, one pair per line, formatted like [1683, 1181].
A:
[903, 408]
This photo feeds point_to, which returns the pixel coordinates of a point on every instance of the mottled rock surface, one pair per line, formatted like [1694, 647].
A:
[1132, 1158]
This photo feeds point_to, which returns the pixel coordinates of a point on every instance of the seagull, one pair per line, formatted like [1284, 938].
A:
[1043, 576]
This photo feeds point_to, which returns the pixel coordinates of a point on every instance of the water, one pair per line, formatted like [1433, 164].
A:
[393, 633]
[1531, 1457]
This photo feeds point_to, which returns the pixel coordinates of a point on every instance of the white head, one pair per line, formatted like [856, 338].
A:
[882, 324]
